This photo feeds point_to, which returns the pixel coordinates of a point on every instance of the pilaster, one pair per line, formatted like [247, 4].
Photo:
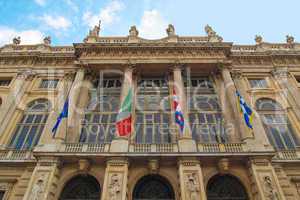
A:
[43, 182]
[115, 180]
[264, 180]
[191, 179]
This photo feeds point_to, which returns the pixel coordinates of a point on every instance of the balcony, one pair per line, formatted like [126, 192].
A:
[288, 155]
[16, 155]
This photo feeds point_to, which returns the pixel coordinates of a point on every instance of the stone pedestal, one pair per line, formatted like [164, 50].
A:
[119, 145]
[43, 182]
[265, 181]
[187, 144]
[115, 180]
[191, 179]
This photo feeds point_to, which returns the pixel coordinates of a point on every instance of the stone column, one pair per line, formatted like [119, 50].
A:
[44, 179]
[121, 144]
[260, 141]
[21, 85]
[115, 180]
[265, 182]
[289, 89]
[230, 92]
[75, 96]
[191, 179]
[185, 142]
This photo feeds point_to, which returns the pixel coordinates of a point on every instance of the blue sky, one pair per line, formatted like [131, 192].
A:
[68, 21]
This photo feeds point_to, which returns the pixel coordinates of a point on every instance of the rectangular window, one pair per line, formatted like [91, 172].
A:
[49, 83]
[5, 82]
[258, 83]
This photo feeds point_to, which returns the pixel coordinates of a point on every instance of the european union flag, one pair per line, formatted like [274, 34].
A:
[63, 114]
[246, 110]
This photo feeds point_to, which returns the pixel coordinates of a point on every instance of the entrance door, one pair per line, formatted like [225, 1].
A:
[225, 187]
[81, 187]
[153, 187]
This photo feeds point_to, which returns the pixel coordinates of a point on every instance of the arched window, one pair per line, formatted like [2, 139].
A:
[276, 123]
[225, 187]
[81, 187]
[205, 114]
[31, 126]
[153, 187]
[153, 111]
[99, 122]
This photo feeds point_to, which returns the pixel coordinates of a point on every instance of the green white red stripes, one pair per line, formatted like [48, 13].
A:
[124, 118]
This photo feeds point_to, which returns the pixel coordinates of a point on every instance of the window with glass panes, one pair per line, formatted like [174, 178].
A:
[5, 82]
[258, 83]
[276, 123]
[31, 126]
[98, 125]
[49, 83]
[205, 114]
[152, 122]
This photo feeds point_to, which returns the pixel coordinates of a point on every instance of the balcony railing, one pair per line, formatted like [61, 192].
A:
[12, 154]
[288, 154]
[221, 147]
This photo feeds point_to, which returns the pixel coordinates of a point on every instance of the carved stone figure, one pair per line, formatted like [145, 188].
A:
[38, 189]
[17, 40]
[258, 39]
[290, 39]
[270, 191]
[212, 35]
[192, 186]
[170, 30]
[133, 31]
[114, 187]
[95, 31]
[47, 40]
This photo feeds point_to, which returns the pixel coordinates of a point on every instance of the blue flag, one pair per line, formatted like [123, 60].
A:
[246, 110]
[63, 114]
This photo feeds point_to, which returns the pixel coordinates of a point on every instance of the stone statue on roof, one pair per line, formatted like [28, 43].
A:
[47, 40]
[133, 31]
[96, 30]
[170, 30]
[258, 39]
[290, 39]
[17, 40]
[212, 35]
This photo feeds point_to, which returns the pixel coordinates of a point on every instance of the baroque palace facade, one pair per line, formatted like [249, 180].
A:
[216, 157]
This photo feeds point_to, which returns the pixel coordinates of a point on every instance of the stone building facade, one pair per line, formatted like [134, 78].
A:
[216, 156]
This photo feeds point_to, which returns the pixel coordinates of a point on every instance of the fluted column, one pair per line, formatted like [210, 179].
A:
[20, 86]
[230, 92]
[121, 144]
[185, 142]
[260, 141]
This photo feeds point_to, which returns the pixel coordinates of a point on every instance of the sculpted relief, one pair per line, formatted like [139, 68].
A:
[269, 189]
[38, 188]
[192, 186]
[114, 188]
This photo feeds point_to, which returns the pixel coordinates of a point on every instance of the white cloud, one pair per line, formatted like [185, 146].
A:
[40, 2]
[108, 15]
[153, 25]
[72, 5]
[27, 36]
[57, 22]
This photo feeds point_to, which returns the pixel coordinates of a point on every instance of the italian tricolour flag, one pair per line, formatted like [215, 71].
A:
[124, 117]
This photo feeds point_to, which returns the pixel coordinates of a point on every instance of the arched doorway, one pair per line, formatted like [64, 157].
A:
[81, 187]
[225, 187]
[153, 187]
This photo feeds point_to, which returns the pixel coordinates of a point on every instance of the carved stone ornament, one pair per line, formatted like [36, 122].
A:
[223, 165]
[269, 190]
[114, 187]
[153, 166]
[280, 72]
[192, 186]
[17, 40]
[258, 39]
[133, 32]
[170, 30]
[38, 188]
[212, 35]
[290, 39]
[84, 165]
[47, 40]
[26, 74]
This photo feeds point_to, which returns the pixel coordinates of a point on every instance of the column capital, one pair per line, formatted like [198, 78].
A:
[281, 72]
[237, 74]
[26, 74]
